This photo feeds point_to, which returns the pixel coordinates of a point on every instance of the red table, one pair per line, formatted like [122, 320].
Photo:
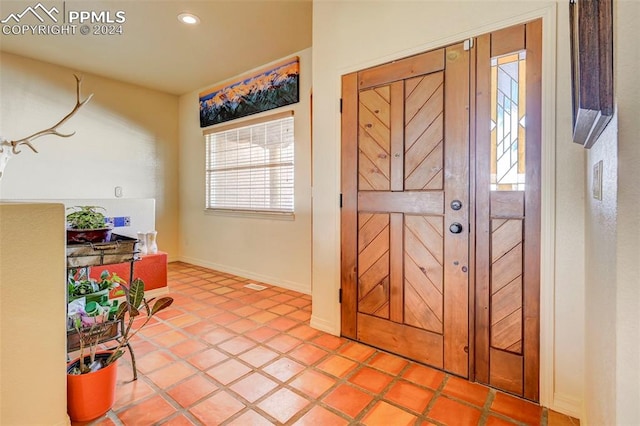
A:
[151, 268]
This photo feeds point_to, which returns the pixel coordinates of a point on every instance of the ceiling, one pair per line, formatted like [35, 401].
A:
[157, 51]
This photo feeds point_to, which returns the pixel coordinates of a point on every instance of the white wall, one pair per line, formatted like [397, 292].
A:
[348, 36]
[612, 296]
[276, 251]
[125, 136]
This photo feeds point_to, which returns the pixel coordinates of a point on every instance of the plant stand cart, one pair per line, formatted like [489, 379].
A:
[119, 249]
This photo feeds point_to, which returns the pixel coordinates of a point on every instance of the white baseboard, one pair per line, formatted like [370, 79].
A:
[568, 405]
[324, 325]
[148, 294]
[289, 285]
[156, 292]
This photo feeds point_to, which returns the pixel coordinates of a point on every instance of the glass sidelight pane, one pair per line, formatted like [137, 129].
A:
[508, 101]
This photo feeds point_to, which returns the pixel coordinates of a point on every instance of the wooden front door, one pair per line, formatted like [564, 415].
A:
[405, 214]
[441, 219]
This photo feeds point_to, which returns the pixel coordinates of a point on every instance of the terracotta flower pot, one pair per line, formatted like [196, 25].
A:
[91, 395]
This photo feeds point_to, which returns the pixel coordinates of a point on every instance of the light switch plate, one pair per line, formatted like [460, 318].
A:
[596, 184]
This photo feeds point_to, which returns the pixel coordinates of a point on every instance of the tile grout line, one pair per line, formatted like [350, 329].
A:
[486, 408]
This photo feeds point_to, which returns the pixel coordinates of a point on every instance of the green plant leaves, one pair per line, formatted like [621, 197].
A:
[86, 217]
[134, 299]
[80, 284]
[162, 303]
[136, 293]
[122, 310]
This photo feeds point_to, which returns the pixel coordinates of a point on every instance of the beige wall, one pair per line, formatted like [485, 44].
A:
[32, 315]
[612, 296]
[348, 36]
[600, 291]
[272, 250]
[125, 136]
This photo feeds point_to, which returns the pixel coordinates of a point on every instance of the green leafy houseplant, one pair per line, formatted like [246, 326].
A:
[128, 312]
[80, 284]
[87, 224]
[86, 217]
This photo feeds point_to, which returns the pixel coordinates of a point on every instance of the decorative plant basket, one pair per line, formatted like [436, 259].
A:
[118, 249]
[75, 236]
[108, 331]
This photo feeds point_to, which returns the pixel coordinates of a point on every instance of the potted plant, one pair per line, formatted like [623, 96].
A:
[79, 284]
[91, 379]
[87, 224]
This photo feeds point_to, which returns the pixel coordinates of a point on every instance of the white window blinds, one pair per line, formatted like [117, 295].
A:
[250, 167]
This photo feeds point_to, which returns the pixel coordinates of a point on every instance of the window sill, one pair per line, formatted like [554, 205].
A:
[250, 214]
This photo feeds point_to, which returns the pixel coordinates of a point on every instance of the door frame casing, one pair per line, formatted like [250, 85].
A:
[548, 14]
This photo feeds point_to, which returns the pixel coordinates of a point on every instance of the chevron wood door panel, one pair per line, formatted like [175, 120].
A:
[424, 132]
[375, 139]
[423, 277]
[506, 284]
[373, 264]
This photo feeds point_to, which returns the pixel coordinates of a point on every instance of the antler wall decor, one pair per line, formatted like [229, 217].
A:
[8, 148]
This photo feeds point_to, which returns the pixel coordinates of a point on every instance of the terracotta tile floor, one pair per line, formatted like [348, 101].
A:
[224, 354]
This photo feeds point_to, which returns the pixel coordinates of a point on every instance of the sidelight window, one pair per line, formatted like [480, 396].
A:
[508, 103]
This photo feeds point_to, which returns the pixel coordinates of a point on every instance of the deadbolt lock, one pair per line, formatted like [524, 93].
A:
[455, 228]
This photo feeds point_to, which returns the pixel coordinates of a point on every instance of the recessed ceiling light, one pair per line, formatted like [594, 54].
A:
[188, 18]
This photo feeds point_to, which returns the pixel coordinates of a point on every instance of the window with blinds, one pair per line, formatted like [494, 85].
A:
[250, 167]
